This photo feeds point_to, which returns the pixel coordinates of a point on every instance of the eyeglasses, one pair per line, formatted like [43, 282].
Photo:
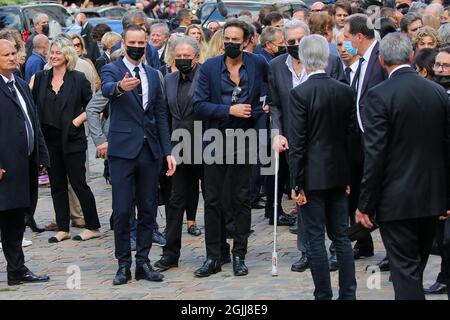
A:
[236, 94]
[445, 66]
[293, 42]
[316, 10]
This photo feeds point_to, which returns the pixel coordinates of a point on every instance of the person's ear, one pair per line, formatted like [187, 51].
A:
[381, 59]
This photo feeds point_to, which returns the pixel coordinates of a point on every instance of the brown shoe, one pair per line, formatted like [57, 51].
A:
[51, 227]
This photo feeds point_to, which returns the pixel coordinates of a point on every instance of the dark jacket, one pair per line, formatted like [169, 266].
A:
[406, 149]
[18, 188]
[34, 64]
[129, 122]
[321, 117]
[101, 61]
[91, 45]
[76, 95]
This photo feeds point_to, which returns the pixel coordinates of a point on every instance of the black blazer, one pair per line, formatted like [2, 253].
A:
[101, 61]
[321, 117]
[76, 95]
[406, 149]
[280, 84]
[19, 186]
[91, 46]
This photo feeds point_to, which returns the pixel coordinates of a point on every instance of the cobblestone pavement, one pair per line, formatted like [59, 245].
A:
[95, 260]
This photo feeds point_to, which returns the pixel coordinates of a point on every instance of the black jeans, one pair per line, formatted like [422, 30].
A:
[70, 165]
[408, 244]
[327, 209]
[444, 273]
[12, 227]
[238, 187]
[185, 176]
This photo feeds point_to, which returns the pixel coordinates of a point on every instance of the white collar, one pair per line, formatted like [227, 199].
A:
[316, 72]
[369, 50]
[8, 80]
[399, 67]
[130, 65]
[290, 65]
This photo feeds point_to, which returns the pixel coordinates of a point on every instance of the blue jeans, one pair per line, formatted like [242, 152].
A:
[328, 210]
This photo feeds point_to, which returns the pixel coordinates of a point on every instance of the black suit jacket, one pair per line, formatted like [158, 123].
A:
[91, 46]
[321, 117]
[76, 95]
[375, 74]
[101, 62]
[18, 188]
[406, 148]
[280, 84]
[182, 118]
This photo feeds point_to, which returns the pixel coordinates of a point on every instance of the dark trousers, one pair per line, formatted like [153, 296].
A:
[283, 178]
[327, 209]
[73, 166]
[408, 244]
[445, 267]
[185, 176]
[134, 183]
[194, 194]
[12, 227]
[239, 178]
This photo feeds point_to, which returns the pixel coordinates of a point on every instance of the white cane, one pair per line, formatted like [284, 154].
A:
[275, 220]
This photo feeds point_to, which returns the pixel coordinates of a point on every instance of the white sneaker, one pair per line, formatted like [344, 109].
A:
[1, 245]
[26, 243]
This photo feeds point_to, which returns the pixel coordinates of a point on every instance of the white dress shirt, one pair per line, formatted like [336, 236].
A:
[315, 72]
[23, 104]
[353, 67]
[296, 78]
[144, 81]
[362, 75]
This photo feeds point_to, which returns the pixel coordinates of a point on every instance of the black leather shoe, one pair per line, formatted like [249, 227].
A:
[283, 220]
[383, 265]
[165, 263]
[31, 223]
[239, 267]
[436, 288]
[208, 268]
[146, 272]
[301, 265]
[193, 230]
[358, 253]
[123, 275]
[27, 276]
[225, 260]
[333, 263]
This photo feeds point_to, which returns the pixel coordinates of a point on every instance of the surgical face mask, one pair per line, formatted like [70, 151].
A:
[293, 51]
[281, 50]
[349, 48]
[135, 53]
[183, 65]
[45, 29]
[233, 50]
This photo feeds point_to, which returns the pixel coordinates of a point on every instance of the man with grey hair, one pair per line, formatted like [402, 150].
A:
[41, 26]
[410, 23]
[179, 89]
[403, 136]
[272, 43]
[159, 34]
[444, 33]
[321, 114]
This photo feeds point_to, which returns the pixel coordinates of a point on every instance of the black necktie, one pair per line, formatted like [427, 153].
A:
[348, 71]
[139, 87]
[357, 75]
[29, 127]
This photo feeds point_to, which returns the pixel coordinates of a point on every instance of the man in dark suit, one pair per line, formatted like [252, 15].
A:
[23, 154]
[228, 95]
[321, 117]
[406, 170]
[287, 72]
[179, 90]
[86, 29]
[41, 26]
[139, 139]
[359, 31]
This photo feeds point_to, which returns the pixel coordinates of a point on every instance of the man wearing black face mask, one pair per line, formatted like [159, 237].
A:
[228, 96]
[138, 143]
[179, 89]
[272, 42]
[185, 17]
[41, 26]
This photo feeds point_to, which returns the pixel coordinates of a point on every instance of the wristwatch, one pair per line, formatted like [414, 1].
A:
[119, 88]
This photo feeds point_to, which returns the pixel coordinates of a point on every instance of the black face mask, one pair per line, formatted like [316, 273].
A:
[135, 53]
[232, 50]
[196, 21]
[443, 81]
[45, 29]
[183, 65]
[293, 51]
[281, 50]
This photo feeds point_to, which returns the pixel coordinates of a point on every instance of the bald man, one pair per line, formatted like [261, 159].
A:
[23, 154]
[38, 58]
[93, 53]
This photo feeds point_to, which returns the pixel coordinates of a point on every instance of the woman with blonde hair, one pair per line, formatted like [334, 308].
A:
[109, 39]
[61, 95]
[215, 46]
[196, 32]
[80, 48]
[426, 37]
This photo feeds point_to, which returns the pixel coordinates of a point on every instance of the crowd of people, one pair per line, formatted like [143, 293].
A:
[357, 98]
